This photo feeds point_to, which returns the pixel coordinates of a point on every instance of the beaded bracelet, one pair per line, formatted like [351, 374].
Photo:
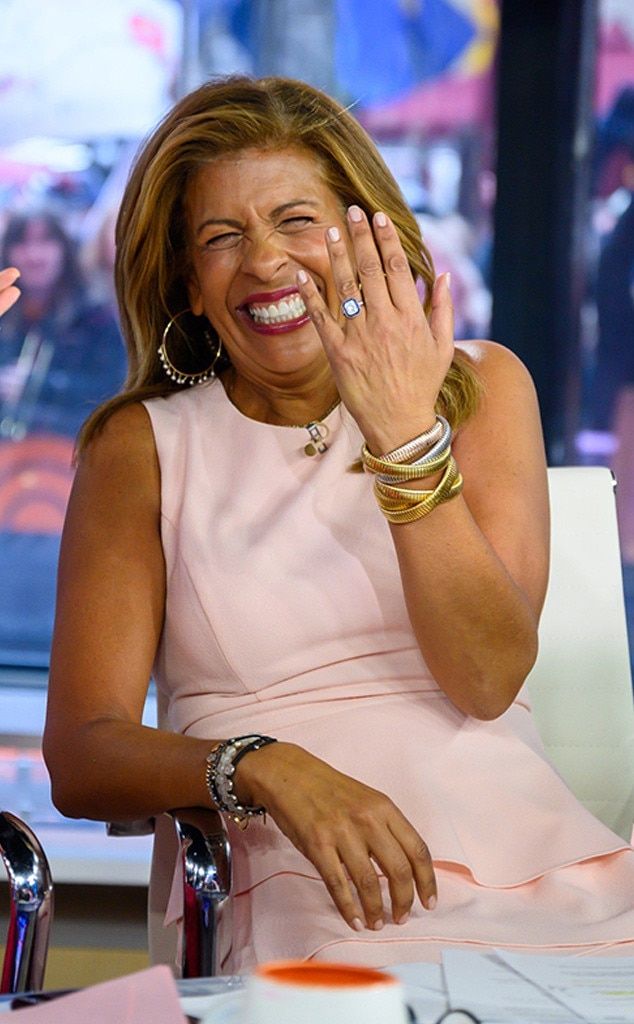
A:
[220, 767]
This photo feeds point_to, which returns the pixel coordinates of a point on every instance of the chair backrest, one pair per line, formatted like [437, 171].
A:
[31, 908]
[581, 686]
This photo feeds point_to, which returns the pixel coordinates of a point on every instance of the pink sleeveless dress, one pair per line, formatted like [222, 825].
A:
[285, 616]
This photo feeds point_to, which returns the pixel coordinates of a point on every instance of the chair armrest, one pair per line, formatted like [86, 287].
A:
[31, 910]
[205, 855]
[206, 860]
[123, 829]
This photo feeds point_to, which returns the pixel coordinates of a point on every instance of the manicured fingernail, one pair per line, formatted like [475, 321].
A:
[448, 280]
[380, 219]
[302, 277]
[402, 919]
[333, 234]
[355, 213]
[357, 924]
[431, 903]
[378, 925]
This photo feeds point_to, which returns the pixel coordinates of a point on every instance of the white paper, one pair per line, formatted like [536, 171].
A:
[484, 984]
[424, 988]
[600, 989]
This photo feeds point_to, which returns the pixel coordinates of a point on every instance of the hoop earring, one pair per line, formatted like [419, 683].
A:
[179, 376]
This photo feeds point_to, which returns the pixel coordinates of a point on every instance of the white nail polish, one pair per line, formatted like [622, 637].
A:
[333, 234]
[357, 924]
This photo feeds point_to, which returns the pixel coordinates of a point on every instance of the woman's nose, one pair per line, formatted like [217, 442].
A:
[263, 256]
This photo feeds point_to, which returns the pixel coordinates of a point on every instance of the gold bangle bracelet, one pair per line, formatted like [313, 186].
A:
[403, 511]
[422, 509]
[404, 471]
[390, 491]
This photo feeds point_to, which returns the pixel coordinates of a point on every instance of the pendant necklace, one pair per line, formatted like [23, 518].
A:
[318, 432]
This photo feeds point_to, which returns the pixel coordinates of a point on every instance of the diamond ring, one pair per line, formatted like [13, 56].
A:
[351, 308]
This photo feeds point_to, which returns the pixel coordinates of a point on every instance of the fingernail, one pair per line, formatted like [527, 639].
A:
[302, 277]
[402, 919]
[378, 925]
[355, 213]
[431, 902]
[333, 234]
[380, 219]
[448, 280]
[357, 924]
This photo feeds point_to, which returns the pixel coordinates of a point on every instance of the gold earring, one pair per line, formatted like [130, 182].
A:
[180, 376]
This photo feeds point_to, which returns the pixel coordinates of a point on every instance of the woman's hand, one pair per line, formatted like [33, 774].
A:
[342, 826]
[8, 292]
[389, 362]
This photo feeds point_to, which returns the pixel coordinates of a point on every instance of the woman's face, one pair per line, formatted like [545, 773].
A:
[255, 218]
[39, 257]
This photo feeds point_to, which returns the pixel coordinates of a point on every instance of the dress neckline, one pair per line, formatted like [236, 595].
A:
[290, 428]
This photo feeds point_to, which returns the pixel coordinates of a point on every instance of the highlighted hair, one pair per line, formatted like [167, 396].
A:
[225, 116]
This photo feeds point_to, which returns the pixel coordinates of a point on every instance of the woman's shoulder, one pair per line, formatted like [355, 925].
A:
[125, 439]
[508, 405]
[492, 362]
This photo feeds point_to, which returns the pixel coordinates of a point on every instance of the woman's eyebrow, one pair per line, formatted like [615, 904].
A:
[294, 202]
[274, 213]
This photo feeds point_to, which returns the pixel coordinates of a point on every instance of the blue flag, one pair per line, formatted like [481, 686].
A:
[386, 47]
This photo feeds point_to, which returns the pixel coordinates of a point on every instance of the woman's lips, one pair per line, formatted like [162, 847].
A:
[275, 312]
[272, 328]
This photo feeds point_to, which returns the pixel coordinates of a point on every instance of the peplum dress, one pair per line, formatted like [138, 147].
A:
[285, 616]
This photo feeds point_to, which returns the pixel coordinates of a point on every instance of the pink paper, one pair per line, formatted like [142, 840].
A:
[149, 995]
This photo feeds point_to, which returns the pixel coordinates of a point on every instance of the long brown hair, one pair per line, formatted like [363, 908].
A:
[225, 116]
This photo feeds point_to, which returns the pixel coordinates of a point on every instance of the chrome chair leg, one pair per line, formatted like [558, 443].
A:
[206, 859]
[31, 910]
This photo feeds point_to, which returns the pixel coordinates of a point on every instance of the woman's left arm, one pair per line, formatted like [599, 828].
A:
[475, 569]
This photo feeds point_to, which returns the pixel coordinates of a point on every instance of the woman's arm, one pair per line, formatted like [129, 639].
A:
[474, 571]
[111, 591]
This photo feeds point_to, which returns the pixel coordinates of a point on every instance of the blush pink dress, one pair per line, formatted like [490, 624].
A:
[285, 616]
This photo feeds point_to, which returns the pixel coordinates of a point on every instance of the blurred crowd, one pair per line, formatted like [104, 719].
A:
[60, 349]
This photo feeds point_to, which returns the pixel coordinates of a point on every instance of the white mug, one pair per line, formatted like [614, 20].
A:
[301, 992]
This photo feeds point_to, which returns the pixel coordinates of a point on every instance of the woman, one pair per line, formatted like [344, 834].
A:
[60, 354]
[220, 535]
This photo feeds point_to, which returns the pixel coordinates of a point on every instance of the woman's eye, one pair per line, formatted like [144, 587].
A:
[225, 241]
[296, 223]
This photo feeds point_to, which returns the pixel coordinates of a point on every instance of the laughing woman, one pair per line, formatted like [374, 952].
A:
[354, 644]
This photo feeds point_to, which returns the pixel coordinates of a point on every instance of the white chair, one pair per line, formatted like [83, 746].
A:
[581, 686]
[580, 689]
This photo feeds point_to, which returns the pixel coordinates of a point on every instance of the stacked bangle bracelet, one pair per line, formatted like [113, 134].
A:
[221, 764]
[417, 459]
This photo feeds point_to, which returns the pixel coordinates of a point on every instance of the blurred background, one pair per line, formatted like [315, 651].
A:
[509, 126]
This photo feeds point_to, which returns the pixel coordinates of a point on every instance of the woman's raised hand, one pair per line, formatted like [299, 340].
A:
[389, 362]
[8, 292]
[344, 828]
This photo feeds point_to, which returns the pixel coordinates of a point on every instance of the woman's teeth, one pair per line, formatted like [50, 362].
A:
[288, 309]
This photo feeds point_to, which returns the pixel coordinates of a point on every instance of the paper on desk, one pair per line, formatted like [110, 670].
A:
[424, 988]
[149, 995]
[484, 984]
[599, 989]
